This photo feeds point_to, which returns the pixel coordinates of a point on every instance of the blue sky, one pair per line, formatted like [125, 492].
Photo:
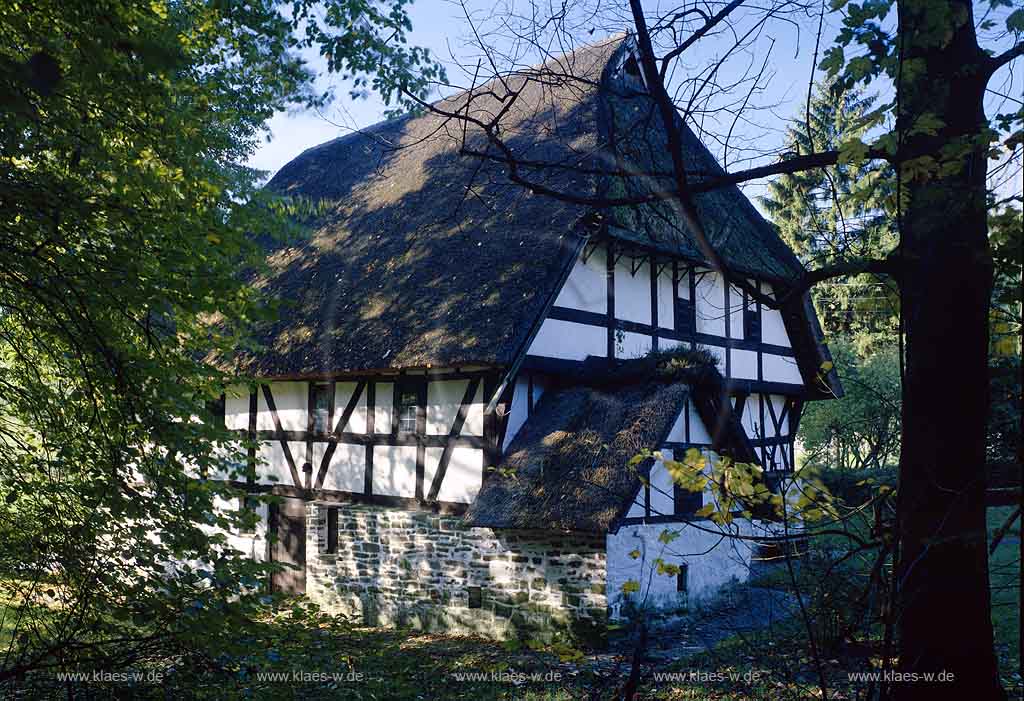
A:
[435, 22]
[439, 25]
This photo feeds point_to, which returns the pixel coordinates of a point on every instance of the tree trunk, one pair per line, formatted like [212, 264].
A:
[944, 615]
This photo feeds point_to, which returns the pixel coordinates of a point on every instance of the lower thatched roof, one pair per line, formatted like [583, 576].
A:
[567, 468]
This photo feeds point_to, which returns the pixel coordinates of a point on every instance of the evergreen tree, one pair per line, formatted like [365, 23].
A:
[841, 213]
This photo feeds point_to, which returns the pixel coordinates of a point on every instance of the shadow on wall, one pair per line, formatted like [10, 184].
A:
[427, 572]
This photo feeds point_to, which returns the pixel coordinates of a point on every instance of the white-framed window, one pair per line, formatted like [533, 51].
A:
[321, 405]
[411, 406]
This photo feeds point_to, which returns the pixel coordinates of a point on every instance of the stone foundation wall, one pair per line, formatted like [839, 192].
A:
[410, 568]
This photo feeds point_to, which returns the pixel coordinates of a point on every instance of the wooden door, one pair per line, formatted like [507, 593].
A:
[287, 524]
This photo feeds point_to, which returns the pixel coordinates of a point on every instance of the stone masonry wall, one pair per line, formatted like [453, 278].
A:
[410, 568]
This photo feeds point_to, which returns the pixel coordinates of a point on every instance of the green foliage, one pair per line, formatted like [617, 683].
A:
[738, 490]
[861, 429]
[873, 46]
[126, 219]
[1015, 22]
[1006, 239]
[856, 487]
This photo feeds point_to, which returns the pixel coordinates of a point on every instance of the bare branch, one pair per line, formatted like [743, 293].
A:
[822, 159]
[889, 266]
[692, 39]
[997, 62]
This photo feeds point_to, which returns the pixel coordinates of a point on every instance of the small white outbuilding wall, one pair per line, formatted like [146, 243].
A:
[712, 560]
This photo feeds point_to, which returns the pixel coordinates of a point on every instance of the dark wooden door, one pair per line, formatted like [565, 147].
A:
[288, 545]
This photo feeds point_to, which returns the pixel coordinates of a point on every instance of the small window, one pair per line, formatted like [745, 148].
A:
[321, 405]
[683, 578]
[751, 323]
[250, 505]
[331, 541]
[408, 410]
[686, 316]
[476, 597]
[687, 503]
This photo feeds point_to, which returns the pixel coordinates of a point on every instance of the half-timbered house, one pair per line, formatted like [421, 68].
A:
[462, 369]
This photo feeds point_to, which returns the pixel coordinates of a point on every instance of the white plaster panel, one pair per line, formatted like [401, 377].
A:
[291, 400]
[735, 312]
[698, 431]
[444, 397]
[632, 345]
[710, 303]
[347, 469]
[677, 434]
[666, 302]
[569, 340]
[633, 292]
[751, 417]
[518, 409]
[394, 470]
[662, 502]
[773, 329]
[587, 286]
[271, 462]
[779, 368]
[778, 403]
[342, 395]
[383, 406]
[463, 477]
[474, 425]
[744, 364]
[236, 408]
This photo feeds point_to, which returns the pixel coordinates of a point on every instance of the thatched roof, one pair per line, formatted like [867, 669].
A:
[424, 257]
[567, 468]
